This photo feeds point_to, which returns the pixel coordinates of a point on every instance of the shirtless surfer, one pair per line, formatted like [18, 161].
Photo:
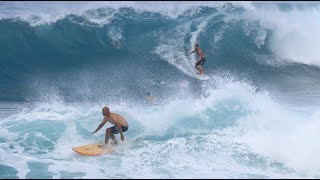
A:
[120, 126]
[199, 64]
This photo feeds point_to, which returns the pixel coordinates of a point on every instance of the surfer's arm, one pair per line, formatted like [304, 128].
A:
[192, 52]
[101, 125]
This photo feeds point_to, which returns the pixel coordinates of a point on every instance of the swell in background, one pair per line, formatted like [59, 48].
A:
[90, 51]
[71, 59]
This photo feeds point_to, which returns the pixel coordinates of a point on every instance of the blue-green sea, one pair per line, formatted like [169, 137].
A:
[258, 116]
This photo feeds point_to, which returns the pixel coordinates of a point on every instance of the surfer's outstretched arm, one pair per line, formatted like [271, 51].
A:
[192, 52]
[101, 125]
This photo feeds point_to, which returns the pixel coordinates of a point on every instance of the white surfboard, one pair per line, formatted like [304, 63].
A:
[202, 77]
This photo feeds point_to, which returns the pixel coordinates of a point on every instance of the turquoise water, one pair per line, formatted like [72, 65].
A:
[257, 117]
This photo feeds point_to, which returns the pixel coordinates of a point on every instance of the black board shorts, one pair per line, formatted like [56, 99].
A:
[115, 130]
[201, 62]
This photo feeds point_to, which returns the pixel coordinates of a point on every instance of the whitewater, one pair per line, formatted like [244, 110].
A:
[257, 117]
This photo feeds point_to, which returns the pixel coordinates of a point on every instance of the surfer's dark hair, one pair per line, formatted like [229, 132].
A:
[196, 44]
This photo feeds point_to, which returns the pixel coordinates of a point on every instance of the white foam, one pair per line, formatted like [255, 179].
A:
[269, 130]
[48, 12]
[16, 159]
[284, 137]
[172, 49]
[272, 130]
[115, 34]
[295, 32]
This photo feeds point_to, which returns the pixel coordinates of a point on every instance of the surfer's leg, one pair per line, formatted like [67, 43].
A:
[202, 70]
[201, 66]
[106, 139]
[108, 135]
[198, 68]
[113, 130]
[114, 139]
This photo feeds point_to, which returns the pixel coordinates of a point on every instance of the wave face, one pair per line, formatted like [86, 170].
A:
[257, 117]
[79, 48]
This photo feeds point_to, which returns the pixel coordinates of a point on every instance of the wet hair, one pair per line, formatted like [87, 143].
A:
[196, 44]
[148, 94]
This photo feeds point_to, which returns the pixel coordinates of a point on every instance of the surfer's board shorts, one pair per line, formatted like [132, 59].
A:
[115, 130]
[201, 62]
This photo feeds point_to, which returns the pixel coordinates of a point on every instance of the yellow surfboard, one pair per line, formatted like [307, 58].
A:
[92, 150]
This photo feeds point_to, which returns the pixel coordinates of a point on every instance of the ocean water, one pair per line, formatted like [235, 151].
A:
[257, 117]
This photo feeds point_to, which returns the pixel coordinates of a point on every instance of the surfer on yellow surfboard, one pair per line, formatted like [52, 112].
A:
[120, 126]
